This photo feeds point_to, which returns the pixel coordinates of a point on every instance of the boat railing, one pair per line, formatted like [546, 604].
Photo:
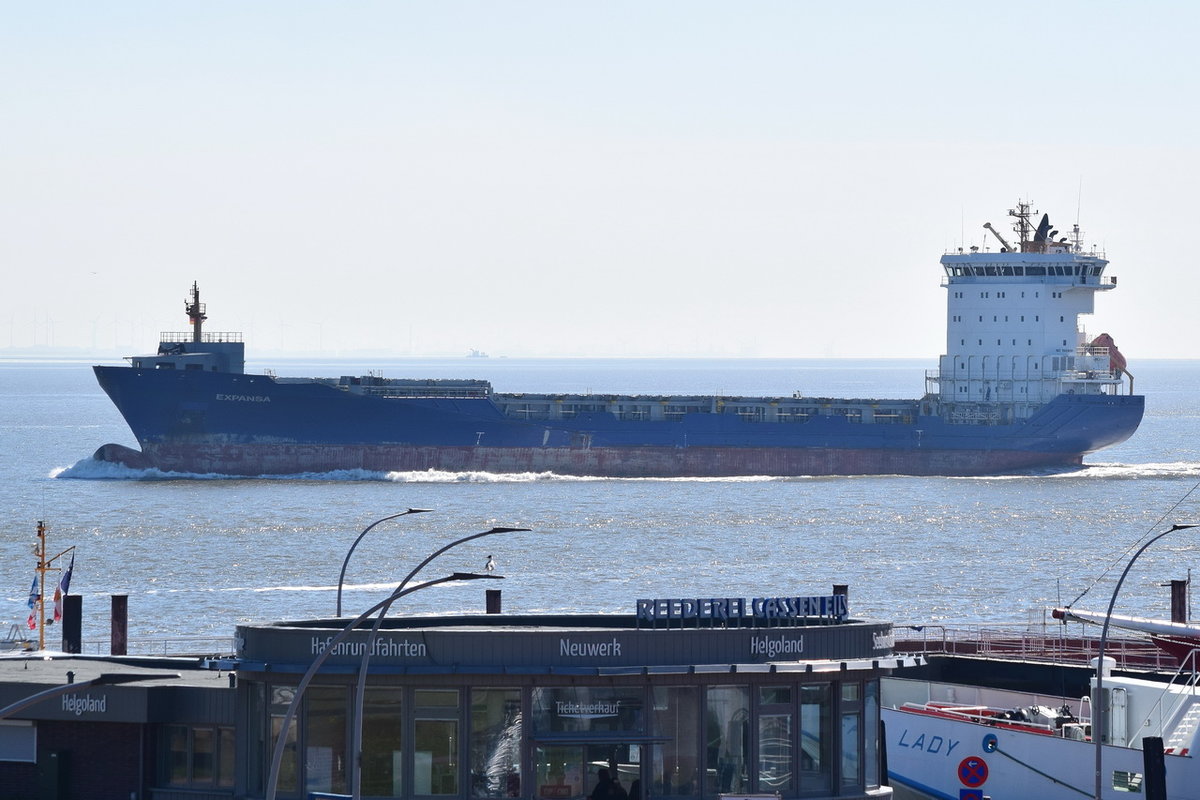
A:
[1049, 642]
[215, 337]
[178, 646]
[1171, 700]
[1031, 711]
[983, 715]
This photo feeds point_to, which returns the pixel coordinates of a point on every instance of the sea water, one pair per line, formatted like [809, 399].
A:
[199, 554]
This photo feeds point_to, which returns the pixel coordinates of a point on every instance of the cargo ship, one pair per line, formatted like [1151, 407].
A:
[1021, 387]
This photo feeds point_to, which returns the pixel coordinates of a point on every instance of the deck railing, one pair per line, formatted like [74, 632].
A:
[177, 646]
[1050, 643]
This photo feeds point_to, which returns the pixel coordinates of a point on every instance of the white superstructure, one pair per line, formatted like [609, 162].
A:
[1013, 335]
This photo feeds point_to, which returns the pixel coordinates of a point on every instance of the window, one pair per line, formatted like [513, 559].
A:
[196, 757]
[381, 742]
[325, 744]
[816, 712]
[289, 769]
[496, 743]
[775, 739]
[675, 768]
[871, 729]
[1123, 781]
[727, 738]
[435, 742]
[851, 708]
[18, 741]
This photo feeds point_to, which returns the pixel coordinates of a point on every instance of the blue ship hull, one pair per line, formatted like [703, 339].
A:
[238, 424]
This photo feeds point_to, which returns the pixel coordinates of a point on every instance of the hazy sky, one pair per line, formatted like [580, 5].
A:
[568, 178]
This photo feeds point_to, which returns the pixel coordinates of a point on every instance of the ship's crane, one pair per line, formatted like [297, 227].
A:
[996, 233]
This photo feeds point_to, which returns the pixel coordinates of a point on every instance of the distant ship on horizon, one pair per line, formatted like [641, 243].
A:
[1020, 387]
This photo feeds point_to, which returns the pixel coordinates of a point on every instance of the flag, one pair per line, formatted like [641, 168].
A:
[33, 598]
[60, 591]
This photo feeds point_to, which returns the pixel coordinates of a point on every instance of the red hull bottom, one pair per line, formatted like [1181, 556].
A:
[626, 462]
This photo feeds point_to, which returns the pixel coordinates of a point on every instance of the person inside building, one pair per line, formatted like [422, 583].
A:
[606, 787]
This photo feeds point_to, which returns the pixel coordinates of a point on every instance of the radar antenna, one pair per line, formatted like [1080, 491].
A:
[195, 311]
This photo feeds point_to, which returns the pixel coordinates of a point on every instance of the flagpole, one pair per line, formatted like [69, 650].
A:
[42, 568]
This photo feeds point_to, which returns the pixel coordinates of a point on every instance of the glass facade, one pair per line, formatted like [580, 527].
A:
[797, 738]
[727, 740]
[816, 739]
[675, 763]
[382, 742]
[197, 756]
[326, 737]
[435, 742]
[776, 743]
[495, 730]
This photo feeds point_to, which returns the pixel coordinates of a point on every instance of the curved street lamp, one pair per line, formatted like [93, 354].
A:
[366, 530]
[360, 687]
[330, 648]
[1098, 705]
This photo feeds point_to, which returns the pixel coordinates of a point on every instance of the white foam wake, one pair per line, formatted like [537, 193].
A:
[1170, 469]
[91, 469]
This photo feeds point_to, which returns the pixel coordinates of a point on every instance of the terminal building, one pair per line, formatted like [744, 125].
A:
[681, 698]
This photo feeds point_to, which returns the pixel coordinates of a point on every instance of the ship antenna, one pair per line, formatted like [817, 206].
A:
[195, 311]
[1078, 237]
[1022, 226]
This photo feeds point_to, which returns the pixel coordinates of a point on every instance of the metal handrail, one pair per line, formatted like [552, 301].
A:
[1019, 641]
[166, 646]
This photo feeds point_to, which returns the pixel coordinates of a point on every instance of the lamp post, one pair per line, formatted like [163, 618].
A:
[1098, 705]
[330, 648]
[360, 687]
[366, 530]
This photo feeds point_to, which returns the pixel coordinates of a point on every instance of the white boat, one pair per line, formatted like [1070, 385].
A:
[16, 639]
[954, 741]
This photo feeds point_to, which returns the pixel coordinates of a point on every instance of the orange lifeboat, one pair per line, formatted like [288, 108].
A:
[1116, 361]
